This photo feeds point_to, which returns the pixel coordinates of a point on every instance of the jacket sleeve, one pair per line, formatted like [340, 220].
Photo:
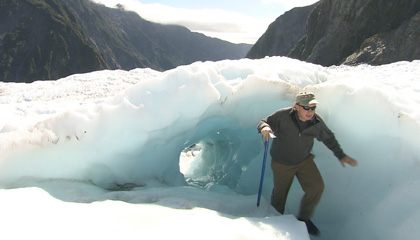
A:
[329, 140]
[262, 124]
[271, 121]
[335, 147]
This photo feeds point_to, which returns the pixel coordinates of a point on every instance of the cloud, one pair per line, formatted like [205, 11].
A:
[290, 4]
[227, 25]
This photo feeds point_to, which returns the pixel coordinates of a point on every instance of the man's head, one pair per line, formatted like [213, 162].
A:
[305, 105]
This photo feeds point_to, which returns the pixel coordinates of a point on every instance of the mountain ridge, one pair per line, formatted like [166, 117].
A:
[282, 34]
[51, 39]
[353, 32]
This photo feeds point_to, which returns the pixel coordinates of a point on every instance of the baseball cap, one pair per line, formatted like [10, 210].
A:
[306, 98]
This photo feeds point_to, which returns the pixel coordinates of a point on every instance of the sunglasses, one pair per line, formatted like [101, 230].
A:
[307, 108]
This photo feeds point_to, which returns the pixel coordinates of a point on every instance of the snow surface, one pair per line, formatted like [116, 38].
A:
[148, 155]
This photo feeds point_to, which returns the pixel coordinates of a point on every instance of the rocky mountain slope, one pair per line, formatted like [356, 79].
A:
[50, 39]
[283, 34]
[355, 31]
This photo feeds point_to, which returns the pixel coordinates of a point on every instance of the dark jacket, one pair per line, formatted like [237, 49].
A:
[295, 139]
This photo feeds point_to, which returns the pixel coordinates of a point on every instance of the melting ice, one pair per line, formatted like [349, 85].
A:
[122, 141]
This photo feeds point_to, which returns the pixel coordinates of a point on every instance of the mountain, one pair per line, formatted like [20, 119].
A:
[353, 32]
[283, 34]
[51, 39]
[43, 40]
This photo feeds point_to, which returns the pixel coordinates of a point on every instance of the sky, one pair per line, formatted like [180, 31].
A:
[234, 21]
[103, 152]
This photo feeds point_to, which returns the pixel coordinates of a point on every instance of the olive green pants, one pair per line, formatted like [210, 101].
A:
[310, 180]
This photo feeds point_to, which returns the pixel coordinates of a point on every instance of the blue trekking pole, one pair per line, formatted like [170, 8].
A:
[262, 172]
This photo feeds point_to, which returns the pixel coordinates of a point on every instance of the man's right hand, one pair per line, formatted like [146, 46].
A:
[265, 133]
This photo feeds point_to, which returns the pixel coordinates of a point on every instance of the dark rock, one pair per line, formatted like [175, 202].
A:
[401, 44]
[337, 28]
[41, 40]
[283, 34]
[348, 32]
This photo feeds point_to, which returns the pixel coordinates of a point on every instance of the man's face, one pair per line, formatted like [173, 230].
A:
[305, 113]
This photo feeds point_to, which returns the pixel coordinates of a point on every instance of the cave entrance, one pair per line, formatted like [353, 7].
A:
[221, 160]
[210, 161]
[188, 161]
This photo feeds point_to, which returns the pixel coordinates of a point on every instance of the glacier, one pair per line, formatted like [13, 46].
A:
[121, 139]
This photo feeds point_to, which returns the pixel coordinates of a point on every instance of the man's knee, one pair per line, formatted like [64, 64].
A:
[320, 186]
[317, 188]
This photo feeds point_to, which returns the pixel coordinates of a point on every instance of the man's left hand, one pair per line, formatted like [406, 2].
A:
[350, 161]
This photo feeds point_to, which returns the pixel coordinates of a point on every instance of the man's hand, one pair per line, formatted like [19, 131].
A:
[265, 133]
[350, 161]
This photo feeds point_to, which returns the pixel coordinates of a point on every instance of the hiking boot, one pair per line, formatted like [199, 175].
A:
[312, 229]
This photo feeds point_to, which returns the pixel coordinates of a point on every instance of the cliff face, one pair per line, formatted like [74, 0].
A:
[401, 44]
[50, 39]
[360, 31]
[41, 40]
[283, 34]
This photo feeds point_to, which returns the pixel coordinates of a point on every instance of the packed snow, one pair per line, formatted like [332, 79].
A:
[143, 154]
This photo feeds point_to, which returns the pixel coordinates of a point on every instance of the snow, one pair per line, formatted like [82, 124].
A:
[143, 154]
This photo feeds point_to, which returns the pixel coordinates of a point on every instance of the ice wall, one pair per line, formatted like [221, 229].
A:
[138, 135]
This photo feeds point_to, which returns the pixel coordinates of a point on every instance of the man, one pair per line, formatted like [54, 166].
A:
[295, 129]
